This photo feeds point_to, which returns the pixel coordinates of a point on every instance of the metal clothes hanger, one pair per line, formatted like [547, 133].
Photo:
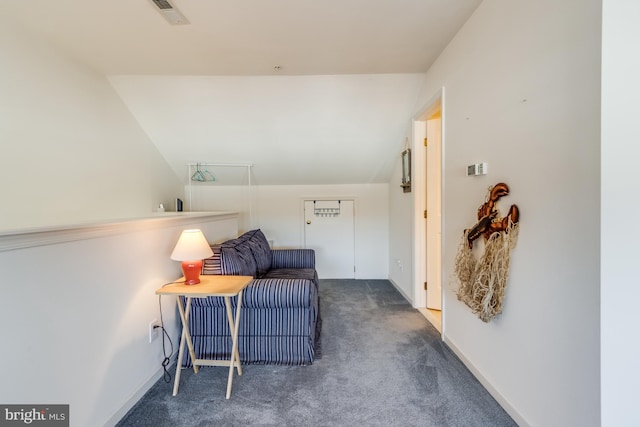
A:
[208, 175]
[198, 175]
[202, 176]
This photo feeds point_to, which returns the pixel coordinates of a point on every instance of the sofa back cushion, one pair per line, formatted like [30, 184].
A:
[233, 258]
[260, 250]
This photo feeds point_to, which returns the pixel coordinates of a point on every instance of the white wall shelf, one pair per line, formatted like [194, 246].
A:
[27, 238]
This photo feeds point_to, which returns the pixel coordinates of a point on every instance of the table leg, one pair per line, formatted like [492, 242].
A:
[234, 331]
[186, 336]
[185, 327]
[237, 329]
[234, 328]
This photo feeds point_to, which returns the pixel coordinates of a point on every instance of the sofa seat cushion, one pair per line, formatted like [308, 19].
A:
[292, 273]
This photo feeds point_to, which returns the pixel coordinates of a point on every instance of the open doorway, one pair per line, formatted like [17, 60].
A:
[427, 144]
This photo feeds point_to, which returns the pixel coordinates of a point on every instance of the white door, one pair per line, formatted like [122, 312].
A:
[434, 209]
[329, 230]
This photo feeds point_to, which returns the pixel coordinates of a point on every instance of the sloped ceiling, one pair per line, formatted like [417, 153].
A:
[295, 129]
[309, 92]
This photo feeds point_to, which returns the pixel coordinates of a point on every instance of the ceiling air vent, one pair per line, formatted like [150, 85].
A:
[170, 13]
[163, 4]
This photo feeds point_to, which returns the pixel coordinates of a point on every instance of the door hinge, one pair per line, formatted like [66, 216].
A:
[425, 142]
[425, 286]
[425, 214]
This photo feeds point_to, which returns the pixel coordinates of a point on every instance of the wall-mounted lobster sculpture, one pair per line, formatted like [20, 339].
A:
[482, 282]
[488, 221]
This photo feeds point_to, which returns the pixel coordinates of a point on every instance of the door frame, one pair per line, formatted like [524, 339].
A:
[419, 131]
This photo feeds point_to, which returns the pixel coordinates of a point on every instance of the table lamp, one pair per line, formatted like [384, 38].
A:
[191, 249]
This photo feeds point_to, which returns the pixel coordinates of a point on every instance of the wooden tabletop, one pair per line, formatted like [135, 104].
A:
[210, 285]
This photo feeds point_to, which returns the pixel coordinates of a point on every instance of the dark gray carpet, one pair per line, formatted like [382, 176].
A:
[382, 364]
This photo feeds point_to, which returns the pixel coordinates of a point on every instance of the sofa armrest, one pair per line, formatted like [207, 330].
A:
[269, 293]
[293, 258]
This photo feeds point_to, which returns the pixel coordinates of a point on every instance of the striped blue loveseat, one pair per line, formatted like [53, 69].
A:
[279, 320]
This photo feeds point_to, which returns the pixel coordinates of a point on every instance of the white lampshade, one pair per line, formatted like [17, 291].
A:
[191, 246]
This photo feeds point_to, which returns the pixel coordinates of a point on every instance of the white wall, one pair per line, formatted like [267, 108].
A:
[76, 314]
[76, 318]
[70, 151]
[619, 289]
[278, 212]
[401, 233]
[522, 83]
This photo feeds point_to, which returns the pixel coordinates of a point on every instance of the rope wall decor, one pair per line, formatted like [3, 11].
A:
[481, 283]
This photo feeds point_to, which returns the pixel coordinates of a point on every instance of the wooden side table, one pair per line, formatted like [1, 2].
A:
[209, 286]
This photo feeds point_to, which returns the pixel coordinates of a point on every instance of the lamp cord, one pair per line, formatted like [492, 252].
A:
[167, 358]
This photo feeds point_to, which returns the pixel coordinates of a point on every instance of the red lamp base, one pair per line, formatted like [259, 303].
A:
[191, 271]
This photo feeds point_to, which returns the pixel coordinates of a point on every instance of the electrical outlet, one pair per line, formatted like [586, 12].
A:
[154, 330]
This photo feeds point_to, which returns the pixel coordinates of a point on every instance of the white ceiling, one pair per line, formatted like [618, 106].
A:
[356, 119]
[248, 37]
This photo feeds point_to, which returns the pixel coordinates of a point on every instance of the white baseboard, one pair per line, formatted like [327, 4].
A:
[506, 405]
[137, 395]
[399, 289]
